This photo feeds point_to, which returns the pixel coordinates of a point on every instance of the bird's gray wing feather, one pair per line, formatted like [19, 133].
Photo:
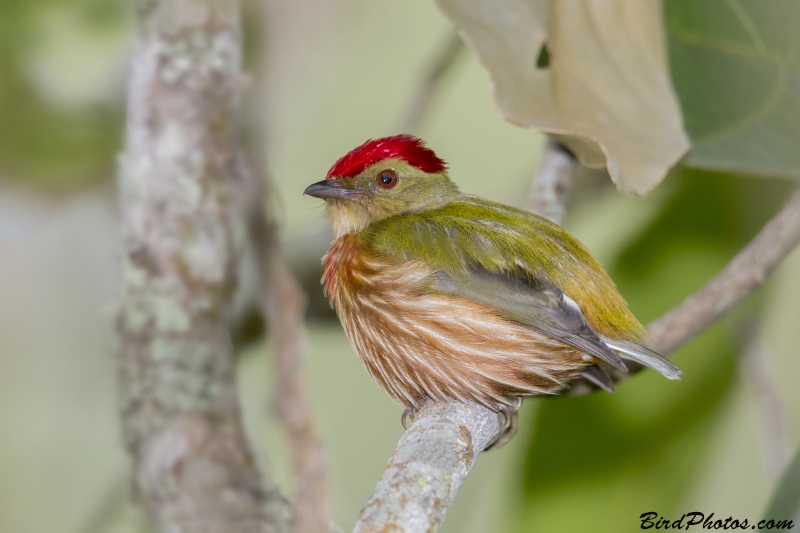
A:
[534, 303]
[599, 377]
[644, 356]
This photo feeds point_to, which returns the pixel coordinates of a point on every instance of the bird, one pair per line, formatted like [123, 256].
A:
[449, 296]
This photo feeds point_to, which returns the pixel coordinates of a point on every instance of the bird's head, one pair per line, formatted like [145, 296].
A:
[382, 178]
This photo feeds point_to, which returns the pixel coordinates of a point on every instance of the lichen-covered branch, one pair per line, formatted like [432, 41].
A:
[552, 183]
[431, 462]
[430, 81]
[745, 273]
[180, 199]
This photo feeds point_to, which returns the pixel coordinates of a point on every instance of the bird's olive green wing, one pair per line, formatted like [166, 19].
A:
[529, 269]
[473, 232]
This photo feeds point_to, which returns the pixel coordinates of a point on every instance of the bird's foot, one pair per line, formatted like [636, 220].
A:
[508, 426]
[408, 412]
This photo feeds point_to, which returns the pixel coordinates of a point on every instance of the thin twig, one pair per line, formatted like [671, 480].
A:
[431, 81]
[181, 223]
[283, 304]
[745, 273]
[552, 183]
[756, 373]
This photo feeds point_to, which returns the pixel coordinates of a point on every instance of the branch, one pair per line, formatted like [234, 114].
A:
[552, 183]
[283, 304]
[430, 82]
[431, 462]
[745, 273]
[182, 227]
[757, 373]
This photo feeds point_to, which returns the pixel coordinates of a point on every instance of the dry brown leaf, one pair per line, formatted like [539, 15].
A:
[606, 92]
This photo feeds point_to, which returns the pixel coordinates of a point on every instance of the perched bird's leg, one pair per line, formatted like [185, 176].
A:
[509, 425]
[408, 411]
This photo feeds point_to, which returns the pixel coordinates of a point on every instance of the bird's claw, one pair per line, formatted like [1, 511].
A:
[408, 411]
[508, 428]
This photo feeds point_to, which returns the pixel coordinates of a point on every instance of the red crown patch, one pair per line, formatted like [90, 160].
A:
[406, 147]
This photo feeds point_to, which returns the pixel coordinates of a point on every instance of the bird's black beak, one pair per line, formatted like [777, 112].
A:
[329, 189]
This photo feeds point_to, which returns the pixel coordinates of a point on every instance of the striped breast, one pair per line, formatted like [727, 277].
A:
[416, 343]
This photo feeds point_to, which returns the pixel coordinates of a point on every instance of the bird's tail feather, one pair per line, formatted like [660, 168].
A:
[598, 376]
[645, 356]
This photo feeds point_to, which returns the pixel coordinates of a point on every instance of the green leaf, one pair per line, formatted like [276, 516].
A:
[785, 502]
[736, 69]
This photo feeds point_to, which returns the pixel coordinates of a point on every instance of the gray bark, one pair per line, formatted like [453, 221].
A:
[431, 462]
[552, 183]
[180, 182]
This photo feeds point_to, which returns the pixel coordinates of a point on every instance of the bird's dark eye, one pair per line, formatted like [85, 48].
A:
[387, 179]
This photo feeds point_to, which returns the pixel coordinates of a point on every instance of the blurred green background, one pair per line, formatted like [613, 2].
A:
[337, 72]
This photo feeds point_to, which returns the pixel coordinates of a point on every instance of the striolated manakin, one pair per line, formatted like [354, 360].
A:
[447, 295]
